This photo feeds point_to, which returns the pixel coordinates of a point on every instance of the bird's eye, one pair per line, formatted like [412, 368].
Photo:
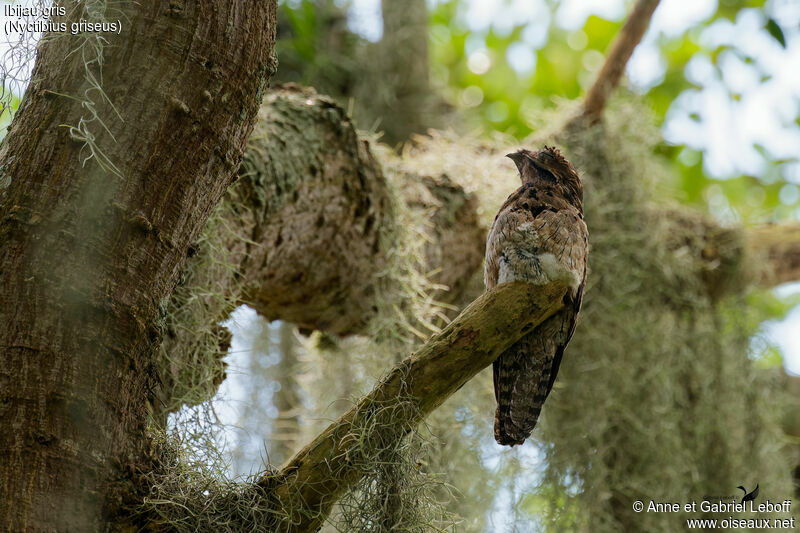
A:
[546, 175]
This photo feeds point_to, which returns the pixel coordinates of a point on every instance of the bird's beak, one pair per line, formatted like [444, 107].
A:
[521, 158]
[518, 158]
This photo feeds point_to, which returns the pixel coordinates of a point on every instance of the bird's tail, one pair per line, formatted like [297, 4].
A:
[521, 383]
[506, 433]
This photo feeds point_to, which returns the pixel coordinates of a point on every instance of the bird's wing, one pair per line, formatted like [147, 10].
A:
[518, 209]
[574, 305]
[566, 237]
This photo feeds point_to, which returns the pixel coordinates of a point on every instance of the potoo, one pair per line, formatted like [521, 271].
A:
[538, 236]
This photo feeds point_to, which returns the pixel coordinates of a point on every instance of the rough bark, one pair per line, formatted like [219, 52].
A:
[307, 227]
[318, 204]
[298, 238]
[90, 256]
[324, 220]
[318, 475]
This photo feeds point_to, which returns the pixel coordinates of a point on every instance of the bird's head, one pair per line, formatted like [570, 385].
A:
[548, 168]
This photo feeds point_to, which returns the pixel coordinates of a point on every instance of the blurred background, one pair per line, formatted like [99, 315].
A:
[721, 82]
[721, 78]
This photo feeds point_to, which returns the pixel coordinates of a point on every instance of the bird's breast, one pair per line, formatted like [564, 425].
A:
[537, 268]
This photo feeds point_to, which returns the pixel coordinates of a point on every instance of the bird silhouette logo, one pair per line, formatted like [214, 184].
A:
[748, 496]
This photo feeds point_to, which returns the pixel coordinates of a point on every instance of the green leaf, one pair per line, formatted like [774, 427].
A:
[777, 33]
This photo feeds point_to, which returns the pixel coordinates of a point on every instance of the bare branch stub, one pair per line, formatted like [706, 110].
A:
[621, 51]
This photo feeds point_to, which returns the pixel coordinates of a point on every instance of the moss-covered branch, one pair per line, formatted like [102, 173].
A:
[323, 212]
[775, 249]
[319, 474]
[317, 205]
[305, 236]
[733, 259]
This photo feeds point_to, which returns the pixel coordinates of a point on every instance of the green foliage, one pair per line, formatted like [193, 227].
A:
[566, 63]
[774, 29]
[9, 109]
[562, 66]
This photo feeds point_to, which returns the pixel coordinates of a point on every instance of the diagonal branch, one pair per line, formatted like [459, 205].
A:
[322, 471]
[621, 51]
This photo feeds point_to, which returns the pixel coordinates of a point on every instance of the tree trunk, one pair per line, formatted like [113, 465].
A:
[402, 101]
[286, 427]
[95, 222]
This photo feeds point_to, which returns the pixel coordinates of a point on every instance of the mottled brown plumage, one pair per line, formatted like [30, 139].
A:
[538, 236]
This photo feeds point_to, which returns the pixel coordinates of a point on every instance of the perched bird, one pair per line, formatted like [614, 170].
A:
[538, 236]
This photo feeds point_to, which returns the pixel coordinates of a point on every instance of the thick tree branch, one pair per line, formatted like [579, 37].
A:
[314, 202]
[621, 51]
[303, 237]
[323, 217]
[307, 227]
[734, 259]
[318, 475]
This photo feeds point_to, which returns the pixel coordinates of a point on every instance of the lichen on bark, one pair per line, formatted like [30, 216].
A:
[323, 229]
